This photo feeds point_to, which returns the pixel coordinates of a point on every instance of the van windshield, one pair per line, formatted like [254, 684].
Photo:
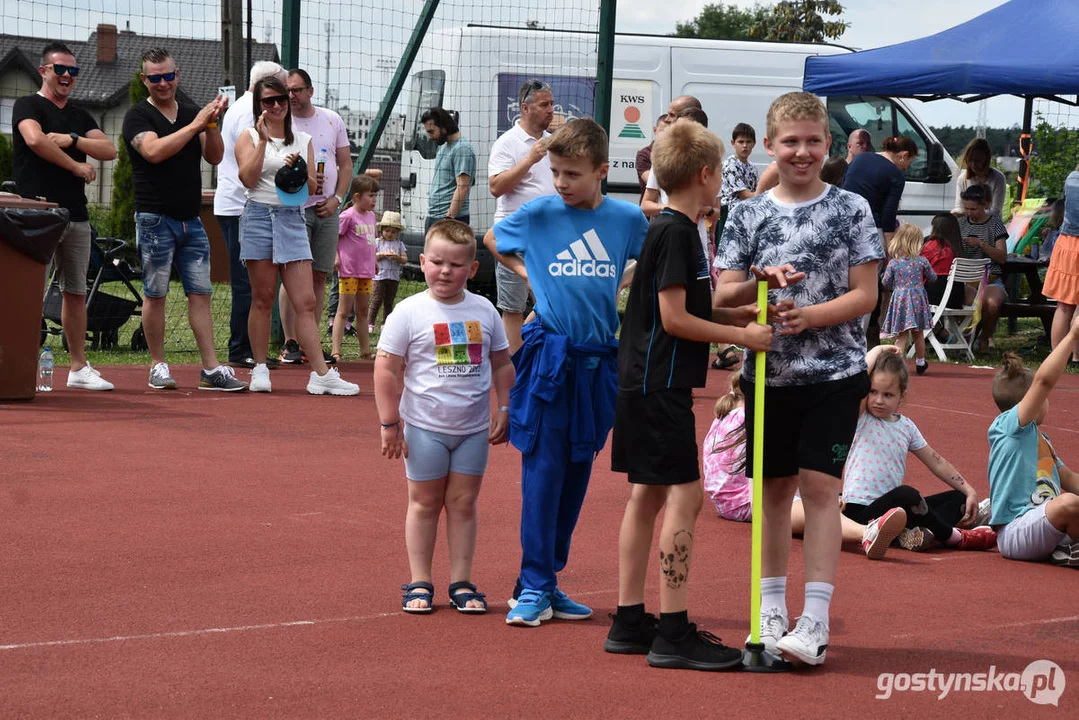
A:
[427, 89]
[881, 118]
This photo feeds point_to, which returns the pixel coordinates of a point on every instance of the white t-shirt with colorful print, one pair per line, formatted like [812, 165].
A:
[447, 360]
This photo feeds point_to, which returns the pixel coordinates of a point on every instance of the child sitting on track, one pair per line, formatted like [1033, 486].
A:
[877, 464]
[1035, 496]
[450, 346]
[725, 481]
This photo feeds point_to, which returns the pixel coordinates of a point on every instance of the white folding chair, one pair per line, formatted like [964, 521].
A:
[956, 322]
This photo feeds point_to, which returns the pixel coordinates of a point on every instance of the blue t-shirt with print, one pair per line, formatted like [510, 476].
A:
[575, 259]
[1023, 468]
[452, 160]
[823, 238]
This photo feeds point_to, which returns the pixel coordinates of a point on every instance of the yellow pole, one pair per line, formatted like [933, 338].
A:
[758, 471]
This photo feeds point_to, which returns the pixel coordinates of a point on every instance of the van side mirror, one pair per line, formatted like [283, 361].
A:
[408, 181]
[937, 171]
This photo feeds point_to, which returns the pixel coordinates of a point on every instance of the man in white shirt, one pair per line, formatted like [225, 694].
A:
[229, 200]
[519, 171]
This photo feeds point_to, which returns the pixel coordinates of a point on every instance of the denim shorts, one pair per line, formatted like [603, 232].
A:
[433, 456]
[162, 241]
[273, 232]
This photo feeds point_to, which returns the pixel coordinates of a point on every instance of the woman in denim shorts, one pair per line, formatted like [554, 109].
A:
[273, 238]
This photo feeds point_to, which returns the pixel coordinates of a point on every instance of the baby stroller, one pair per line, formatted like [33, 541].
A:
[105, 313]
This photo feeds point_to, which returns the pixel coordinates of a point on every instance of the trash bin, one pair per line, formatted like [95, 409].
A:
[30, 230]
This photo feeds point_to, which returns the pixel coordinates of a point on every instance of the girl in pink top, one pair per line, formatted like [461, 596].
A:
[355, 262]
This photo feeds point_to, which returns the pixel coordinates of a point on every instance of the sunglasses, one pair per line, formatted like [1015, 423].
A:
[158, 77]
[275, 100]
[59, 69]
[297, 91]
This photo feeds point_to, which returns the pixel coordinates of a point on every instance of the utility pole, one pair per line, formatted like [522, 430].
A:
[329, 34]
[232, 45]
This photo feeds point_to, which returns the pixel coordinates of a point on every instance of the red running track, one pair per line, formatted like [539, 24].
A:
[191, 554]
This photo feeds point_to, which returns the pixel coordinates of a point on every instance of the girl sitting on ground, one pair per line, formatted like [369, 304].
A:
[908, 310]
[732, 493]
[1035, 495]
[877, 465]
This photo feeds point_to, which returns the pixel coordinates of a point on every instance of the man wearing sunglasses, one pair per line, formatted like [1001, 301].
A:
[167, 141]
[52, 139]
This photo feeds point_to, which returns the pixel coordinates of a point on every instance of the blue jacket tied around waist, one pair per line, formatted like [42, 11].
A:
[563, 385]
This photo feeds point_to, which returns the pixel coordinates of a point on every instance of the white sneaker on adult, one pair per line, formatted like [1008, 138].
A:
[260, 379]
[880, 532]
[331, 384]
[86, 378]
[774, 626]
[808, 641]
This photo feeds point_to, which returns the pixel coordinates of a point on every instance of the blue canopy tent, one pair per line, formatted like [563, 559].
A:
[1028, 48]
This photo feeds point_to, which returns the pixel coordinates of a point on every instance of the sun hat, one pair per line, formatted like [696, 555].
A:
[291, 183]
[391, 219]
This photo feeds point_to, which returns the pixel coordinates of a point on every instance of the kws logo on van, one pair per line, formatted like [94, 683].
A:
[584, 258]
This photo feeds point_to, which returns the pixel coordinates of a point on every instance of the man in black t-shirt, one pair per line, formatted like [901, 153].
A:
[52, 139]
[166, 141]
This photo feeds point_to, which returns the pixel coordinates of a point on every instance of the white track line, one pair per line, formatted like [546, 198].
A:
[193, 633]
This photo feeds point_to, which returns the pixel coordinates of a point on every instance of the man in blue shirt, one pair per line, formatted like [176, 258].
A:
[455, 166]
[573, 248]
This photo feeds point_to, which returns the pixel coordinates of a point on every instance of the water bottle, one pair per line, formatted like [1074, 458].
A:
[320, 167]
[44, 371]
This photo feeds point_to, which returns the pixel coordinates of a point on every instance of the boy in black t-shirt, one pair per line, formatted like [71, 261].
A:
[662, 355]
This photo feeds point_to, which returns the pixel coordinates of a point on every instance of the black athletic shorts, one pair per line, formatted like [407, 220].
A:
[655, 438]
[807, 427]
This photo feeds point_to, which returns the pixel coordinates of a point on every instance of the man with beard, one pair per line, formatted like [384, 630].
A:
[52, 139]
[455, 166]
[519, 171]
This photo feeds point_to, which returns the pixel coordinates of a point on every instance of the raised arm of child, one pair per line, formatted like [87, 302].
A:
[513, 262]
[1047, 376]
[389, 370]
[678, 322]
[735, 289]
[502, 377]
[947, 473]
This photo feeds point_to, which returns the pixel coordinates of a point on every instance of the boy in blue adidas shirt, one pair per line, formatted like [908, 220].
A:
[573, 248]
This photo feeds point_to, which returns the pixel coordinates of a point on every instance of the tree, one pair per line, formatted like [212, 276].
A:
[728, 22]
[801, 21]
[122, 211]
[1053, 158]
[7, 168]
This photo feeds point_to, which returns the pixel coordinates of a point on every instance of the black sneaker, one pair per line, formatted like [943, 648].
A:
[326, 357]
[625, 639]
[921, 369]
[245, 362]
[291, 353]
[696, 650]
[271, 362]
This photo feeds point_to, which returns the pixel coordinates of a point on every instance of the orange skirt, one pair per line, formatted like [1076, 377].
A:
[1062, 279]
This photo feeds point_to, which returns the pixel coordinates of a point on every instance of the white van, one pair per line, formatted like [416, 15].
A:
[476, 72]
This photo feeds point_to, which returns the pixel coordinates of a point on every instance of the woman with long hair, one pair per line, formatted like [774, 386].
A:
[976, 169]
[273, 237]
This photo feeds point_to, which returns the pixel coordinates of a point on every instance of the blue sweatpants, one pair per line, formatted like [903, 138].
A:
[552, 490]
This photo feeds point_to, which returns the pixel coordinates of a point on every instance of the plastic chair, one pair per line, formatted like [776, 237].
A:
[956, 322]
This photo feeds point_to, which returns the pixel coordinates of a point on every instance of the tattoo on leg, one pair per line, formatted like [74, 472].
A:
[675, 565]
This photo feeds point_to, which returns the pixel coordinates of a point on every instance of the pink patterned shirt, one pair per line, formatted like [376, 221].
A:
[729, 490]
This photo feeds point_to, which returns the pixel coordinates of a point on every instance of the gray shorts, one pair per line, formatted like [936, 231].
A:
[322, 232]
[72, 258]
[433, 455]
[1029, 537]
[513, 290]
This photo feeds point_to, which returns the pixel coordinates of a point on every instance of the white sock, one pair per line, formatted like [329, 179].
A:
[818, 598]
[919, 361]
[774, 593]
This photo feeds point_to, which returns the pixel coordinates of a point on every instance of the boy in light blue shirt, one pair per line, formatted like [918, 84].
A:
[573, 248]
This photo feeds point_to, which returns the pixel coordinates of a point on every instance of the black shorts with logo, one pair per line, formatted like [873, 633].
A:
[655, 438]
[807, 427]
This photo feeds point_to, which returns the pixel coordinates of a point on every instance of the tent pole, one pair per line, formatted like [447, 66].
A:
[1026, 143]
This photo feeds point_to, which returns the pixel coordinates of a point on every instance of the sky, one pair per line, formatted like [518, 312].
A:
[369, 34]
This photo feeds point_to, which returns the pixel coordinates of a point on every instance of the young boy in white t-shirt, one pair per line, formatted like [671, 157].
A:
[439, 353]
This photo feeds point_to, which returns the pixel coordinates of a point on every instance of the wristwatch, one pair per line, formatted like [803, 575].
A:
[74, 139]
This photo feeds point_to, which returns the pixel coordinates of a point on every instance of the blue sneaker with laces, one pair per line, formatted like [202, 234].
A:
[532, 608]
[566, 609]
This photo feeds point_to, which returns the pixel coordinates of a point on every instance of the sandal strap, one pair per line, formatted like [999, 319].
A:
[411, 588]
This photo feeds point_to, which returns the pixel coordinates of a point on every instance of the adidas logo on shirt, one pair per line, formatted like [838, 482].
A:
[584, 258]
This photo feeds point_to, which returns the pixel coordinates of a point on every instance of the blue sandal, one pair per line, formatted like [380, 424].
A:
[468, 593]
[410, 594]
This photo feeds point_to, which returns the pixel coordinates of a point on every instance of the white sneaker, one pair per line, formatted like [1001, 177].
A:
[808, 641]
[985, 512]
[774, 626]
[87, 378]
[260, 379]
[331, 384]
[880, 532]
